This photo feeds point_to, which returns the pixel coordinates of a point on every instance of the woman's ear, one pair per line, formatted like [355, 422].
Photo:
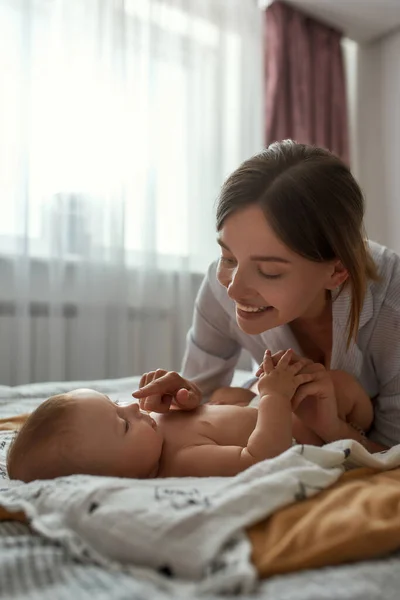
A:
[338, 275]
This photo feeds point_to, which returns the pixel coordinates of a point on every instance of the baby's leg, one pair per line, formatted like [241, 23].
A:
[354, 404]
[232, 395]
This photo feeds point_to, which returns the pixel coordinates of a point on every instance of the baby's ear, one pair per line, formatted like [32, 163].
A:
[10, 447]
[10, 451]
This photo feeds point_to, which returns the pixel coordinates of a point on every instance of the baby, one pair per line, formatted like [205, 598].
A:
[84, 432]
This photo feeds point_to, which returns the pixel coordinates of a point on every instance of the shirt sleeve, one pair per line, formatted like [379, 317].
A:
[386, 427]
[211, 351]
[385, 350]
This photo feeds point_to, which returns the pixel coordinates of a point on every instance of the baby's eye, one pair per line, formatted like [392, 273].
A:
[126, 426]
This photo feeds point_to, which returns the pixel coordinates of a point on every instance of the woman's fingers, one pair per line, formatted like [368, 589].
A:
[303, 378]
[161, 387]
[187, 399]
[144, 380]
[169, 383]
[154, 402]
[310, 388]
[307, 389]
[285, 360]
[299, 365]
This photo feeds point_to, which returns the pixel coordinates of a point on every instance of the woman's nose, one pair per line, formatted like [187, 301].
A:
[237, 287]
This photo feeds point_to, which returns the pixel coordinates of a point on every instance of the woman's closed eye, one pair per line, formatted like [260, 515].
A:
[229, 262]
[269, 276]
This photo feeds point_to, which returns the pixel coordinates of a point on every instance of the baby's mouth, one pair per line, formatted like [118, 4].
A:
[149, 419]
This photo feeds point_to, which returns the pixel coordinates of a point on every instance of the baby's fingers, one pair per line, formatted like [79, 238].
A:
[268, 364]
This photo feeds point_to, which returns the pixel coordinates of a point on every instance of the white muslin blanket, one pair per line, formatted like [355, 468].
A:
[186, 533]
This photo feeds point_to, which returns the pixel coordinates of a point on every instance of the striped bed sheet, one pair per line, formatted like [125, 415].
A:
[34, 568]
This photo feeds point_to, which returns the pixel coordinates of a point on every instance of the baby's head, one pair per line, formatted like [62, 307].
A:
[84, 432]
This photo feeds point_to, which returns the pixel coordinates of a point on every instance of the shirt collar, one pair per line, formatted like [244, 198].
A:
[341, 307]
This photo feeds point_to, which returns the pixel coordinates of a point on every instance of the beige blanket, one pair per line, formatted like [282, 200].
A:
[357, 518]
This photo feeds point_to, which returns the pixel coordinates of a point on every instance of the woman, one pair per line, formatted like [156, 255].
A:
[295, 272]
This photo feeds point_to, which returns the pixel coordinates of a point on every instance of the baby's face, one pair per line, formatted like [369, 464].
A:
[119, 441]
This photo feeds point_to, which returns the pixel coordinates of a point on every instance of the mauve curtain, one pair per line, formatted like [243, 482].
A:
[305, 81]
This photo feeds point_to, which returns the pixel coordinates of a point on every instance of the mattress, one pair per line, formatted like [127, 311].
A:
[34, 568]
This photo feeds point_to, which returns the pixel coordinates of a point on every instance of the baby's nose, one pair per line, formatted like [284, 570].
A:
[133, 409]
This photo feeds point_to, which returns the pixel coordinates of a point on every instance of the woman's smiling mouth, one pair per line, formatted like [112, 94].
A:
[251, 312]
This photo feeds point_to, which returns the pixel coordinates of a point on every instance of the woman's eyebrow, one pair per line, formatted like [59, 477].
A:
[260, 258]
[221, 243]
[271, 259]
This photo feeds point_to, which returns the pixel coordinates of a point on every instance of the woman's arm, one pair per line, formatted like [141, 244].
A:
[345, 431]
[211, 351]
[384, 352]
[385, 429]
[332, 397]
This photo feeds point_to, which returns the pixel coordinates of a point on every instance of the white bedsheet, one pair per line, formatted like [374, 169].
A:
[186, 533]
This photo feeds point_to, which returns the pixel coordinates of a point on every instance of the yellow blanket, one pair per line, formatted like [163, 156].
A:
[355, 519]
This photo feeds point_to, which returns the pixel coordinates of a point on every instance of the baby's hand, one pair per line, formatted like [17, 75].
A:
[278, 355]
[284, 379]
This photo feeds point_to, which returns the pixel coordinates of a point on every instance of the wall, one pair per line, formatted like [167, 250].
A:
[374, 106]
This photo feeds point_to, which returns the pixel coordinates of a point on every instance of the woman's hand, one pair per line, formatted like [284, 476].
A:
[161, 390]
[314, 403]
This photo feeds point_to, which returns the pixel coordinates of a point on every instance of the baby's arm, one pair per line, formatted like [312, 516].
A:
[271, 436]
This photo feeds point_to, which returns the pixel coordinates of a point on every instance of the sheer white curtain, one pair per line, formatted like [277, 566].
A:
[119, 120]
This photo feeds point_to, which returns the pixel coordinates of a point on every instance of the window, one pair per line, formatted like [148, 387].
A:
[119, 124]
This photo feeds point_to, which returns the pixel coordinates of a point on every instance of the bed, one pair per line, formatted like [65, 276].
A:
[38, 568]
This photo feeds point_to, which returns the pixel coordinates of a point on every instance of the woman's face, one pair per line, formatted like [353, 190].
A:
[270, 284]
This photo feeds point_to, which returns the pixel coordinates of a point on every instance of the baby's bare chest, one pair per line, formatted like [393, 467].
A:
[222, 425]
